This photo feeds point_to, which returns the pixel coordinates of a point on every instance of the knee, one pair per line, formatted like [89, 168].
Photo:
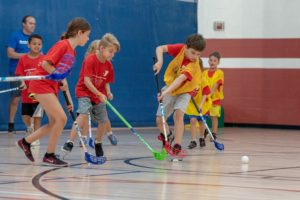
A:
[178, 115]
[158, 120]
[193, 121]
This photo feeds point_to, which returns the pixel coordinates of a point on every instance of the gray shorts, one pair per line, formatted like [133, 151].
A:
[172, 103]
[98, 111]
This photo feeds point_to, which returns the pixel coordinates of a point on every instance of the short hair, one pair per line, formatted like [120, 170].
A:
[109, 40]
[215, 54]
[77, 24]
[34, 36]
[196, 41]
[24, 19]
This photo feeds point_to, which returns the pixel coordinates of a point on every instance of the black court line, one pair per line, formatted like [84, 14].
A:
[229, 174]
[36, 182]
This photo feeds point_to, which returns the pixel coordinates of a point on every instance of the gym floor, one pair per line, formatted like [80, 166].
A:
[131, 172]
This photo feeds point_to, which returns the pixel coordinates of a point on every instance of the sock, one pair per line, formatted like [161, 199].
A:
[47, 155]
[11, 125]
[109, 133]
[98, 142]
[70, 141]
[25, 142]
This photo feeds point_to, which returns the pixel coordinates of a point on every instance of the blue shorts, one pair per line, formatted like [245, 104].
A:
[14, 84]
[198, 117]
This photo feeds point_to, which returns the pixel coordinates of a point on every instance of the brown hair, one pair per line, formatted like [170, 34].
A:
[196, 41]
[77, 24]
[215, 54]
[109, 39]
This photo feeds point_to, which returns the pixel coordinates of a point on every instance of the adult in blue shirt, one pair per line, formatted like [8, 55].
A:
[17, 46]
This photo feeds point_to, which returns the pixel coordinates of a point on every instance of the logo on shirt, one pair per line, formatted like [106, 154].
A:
[23, 42]
[105, 73]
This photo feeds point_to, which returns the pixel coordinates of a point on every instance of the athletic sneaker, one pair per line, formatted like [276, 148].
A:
[205, 133]
[25, 148]
[202, 142]
[177, 149]
[68, 146]
[98, 149]
[113, 139]
[215, 136]
[11, 128]
[52, 160]
[85, 141]
[170, 137]
[192, 144]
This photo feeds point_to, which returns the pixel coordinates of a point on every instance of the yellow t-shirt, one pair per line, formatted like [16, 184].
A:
[204, 88]
[217, 77]
[175, 69]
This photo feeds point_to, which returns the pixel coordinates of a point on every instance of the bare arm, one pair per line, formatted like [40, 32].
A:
[108, 91]
[11, 53]
[159, 55]
[174, 85]
[88, 83]
[216, 85]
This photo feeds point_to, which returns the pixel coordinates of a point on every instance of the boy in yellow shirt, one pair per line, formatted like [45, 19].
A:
[180, 82]
[203, 101]
[215, 79]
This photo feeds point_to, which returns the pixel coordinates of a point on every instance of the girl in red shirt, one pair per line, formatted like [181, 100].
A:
[60, 58]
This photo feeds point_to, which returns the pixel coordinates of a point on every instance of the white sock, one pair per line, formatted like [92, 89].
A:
[109, 133]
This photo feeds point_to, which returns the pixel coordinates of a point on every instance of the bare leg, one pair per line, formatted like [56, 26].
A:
[13, 107]
[82, 120]
[214, 121]
[193, 128]
[159, 124]
[179, 126]
[57, 120]
[100, 131]
[26, 120]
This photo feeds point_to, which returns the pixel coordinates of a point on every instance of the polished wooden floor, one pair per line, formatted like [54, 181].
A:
[132, 173]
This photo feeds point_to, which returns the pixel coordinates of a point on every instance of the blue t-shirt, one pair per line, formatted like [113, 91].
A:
[19, 42]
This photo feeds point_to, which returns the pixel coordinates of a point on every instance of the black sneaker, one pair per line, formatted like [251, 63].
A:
[98, 149]
[205, 133]
[52, 160]
[202, 142]
[68, 146]
[11, 128]
[215, 136]
[177, 149]
[170, 137]
[192, 144]
[26, 149]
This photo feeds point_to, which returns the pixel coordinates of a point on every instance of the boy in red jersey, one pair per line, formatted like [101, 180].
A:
[26, 66]
[93, 89]
[60, 59]
[180, 82]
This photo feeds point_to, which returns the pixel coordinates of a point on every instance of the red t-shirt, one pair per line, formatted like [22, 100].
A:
[99, 73]
[26, 67]
[62, 57]
[173, 50]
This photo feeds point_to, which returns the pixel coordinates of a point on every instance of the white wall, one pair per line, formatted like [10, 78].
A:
[250, 18]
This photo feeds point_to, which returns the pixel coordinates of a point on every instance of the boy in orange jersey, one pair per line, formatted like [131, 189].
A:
[215, 79]
[93, 89]
[26, 66]
[180, 82]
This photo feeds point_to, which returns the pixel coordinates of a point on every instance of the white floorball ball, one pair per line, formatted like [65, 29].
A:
[245, 159]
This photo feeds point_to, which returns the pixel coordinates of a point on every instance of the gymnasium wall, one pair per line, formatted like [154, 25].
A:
[260, 48]
[140, 25]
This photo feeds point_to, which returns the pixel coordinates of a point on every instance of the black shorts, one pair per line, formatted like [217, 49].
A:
[29, 108]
